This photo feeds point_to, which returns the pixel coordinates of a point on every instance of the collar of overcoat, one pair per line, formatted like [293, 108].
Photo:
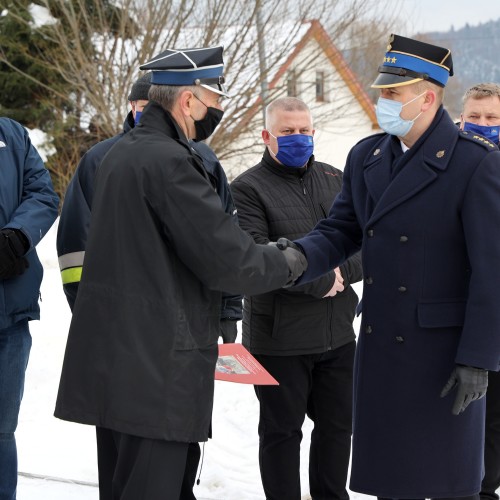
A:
[154, 116]
[429, 155]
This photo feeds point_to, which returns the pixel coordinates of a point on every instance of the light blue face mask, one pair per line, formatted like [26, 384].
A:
[490, 132]
[389, 119]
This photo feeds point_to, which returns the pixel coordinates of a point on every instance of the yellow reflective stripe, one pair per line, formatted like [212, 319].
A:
[71, 275]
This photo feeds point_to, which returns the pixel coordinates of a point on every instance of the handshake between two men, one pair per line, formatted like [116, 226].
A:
[295, 258]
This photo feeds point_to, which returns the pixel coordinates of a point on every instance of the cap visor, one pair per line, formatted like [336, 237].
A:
[386, 80]
[217, 89]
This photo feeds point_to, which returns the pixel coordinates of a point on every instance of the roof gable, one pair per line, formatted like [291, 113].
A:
[317, 32]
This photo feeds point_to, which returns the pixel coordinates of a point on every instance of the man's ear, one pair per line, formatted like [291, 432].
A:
[266, 136]
[185, 101]
[462, 121]
[430, 99]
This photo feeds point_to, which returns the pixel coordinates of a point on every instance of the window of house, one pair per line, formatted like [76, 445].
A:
[320, 86]
[291, 84]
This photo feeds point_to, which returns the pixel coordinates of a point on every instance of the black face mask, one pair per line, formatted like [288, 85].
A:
[205, 127]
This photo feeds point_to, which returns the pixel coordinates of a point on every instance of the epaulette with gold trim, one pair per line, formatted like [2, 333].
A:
[478, 139]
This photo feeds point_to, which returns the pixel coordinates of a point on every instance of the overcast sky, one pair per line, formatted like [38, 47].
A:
[441, 15]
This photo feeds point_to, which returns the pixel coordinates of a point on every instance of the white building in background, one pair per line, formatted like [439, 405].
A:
[316, 72]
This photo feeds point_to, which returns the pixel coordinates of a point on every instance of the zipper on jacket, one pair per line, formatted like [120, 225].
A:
[330, 320]
[303, 186]
[311, 201]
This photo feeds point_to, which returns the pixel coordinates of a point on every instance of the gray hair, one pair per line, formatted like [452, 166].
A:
[481, 90]
[285, 104]
[167, 95]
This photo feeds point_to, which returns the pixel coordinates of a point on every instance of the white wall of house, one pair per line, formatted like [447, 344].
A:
[339, 118]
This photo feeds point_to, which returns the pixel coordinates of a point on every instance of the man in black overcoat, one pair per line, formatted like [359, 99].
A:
[142, 346]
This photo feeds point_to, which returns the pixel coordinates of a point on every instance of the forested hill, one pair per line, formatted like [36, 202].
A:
[476, 57]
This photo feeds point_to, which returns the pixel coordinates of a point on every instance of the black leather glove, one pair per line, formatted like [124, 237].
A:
[296, 260]
[471, 384]
[284, 243]
[228, 331]
[13, 246]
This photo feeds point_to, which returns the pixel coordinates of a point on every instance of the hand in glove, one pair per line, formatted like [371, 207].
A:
[228, 331]
[296, 260]
[13, 246]
[471, 384]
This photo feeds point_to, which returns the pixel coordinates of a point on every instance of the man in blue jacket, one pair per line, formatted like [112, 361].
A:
[421, 200]
[28, 208]
[75, 214]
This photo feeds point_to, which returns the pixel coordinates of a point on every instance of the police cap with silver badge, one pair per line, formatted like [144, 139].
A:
[199, 66]
[409, 61]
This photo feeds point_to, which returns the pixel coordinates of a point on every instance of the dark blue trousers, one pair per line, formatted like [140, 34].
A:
[15, 346]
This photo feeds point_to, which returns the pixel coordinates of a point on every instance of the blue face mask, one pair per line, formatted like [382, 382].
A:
[137, 117]
[389, 119]
[490, 132]
[294, 150]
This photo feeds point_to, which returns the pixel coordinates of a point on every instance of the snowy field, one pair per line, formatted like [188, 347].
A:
[52, 449]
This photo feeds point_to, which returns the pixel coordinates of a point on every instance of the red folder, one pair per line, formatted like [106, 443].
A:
[236, 364]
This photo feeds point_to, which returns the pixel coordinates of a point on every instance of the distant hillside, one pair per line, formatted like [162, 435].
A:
[476, 58]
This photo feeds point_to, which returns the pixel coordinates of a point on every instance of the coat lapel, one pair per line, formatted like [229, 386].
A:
[378, 169]
[414, 177]
[429, 156]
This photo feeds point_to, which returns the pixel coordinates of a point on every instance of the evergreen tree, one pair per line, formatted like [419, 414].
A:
[29, 88]
[35, 87]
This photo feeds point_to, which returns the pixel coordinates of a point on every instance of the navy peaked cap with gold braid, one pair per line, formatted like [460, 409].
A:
[409, 61]
[198, 66]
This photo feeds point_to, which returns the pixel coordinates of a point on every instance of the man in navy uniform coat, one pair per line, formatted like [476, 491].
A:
[422, 201]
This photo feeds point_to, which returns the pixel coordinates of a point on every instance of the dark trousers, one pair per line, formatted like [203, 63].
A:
[491, 480]
[319, 386]
[136, 468]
